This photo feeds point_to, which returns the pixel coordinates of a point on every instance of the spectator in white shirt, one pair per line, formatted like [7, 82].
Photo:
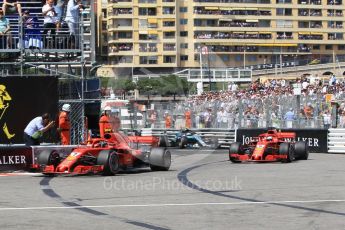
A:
[222, 118]
[72, 19]
[49, 22]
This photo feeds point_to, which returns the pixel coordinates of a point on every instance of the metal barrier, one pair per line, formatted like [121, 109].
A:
[224, 137]
[336, 141]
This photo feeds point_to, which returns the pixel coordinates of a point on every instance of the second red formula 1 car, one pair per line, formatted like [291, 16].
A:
[107, 156]
[268, 147]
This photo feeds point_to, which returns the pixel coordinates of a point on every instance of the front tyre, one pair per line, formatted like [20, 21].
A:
[49, 157]
[287, 149]
[110, 161]
[235, 148]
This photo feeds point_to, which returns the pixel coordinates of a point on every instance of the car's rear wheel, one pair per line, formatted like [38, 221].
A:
[235, 148]
[286, 149]
[110, 161]
[160, 159]
[183, 142]
[163, 141]
[301, 150]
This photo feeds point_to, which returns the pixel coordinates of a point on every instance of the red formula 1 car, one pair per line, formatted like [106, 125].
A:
[107, 156]
[268, 147]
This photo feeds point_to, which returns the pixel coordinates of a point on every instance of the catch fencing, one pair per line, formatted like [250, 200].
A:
[308, 112]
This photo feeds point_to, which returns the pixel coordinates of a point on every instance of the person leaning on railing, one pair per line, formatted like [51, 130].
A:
[49, 23]
[11, 6]
[4, 31]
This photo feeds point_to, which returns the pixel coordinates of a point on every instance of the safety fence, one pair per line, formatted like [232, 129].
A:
[78, 120]
[223, 137]
[278, 111]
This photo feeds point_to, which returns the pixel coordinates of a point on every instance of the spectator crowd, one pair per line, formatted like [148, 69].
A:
[38, 33]
[262, 104]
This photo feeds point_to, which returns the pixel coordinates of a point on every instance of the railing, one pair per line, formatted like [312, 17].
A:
[31, 35]
[224, 137]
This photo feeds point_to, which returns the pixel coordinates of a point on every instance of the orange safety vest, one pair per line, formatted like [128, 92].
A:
[104, 125]
[65, 128]
[188, 118]
[168, 122]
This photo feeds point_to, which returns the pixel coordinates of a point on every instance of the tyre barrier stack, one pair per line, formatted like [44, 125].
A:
[336, 141]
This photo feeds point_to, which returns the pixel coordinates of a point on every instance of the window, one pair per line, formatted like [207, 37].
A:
[284, 12]
[284, 24]
[329, 47]
[316, 47]
[225, 58]
[341, 47]
[184, 57]
[238, 57]
[183, 21]
[183, 9]
[184, 33]
[252, 58]
[184, 45]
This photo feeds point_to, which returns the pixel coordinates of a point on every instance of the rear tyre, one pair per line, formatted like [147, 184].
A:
[110, 161]
[286, 149]
[160, 159]
[301, 150]
[163, 141]
[235, 148]
[183, 142]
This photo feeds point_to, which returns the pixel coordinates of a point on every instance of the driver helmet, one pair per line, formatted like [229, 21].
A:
[269, 138]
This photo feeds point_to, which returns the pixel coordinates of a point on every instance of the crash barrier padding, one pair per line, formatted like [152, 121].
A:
[16, 157]
[315, 138]
[20, 157]
[224, 136]
[336, 141]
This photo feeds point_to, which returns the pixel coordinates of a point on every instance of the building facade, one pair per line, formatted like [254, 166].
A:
[173, 34]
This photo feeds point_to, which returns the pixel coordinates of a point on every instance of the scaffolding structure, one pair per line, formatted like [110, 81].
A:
[27, 50]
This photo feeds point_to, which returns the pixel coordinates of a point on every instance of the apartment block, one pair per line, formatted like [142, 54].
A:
[171, 34]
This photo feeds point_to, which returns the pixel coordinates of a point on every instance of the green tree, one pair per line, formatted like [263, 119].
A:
[149, 86]
[173, 85]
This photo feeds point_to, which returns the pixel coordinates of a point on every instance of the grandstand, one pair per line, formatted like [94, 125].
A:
[59, 56]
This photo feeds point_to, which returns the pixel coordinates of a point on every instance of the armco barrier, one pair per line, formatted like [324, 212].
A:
[315, 138]
[20, 157]
[224, 136]
[336, 140]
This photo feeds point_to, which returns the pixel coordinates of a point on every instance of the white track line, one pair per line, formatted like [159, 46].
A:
[172, 205]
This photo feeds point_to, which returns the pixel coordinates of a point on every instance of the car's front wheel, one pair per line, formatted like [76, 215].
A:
[110, 161]
[286, 149]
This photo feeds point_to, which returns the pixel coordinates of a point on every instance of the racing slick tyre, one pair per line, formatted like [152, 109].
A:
[235, 148]
[286, 149]
[110, 161]
[301, 150]
[163, 141]
[183, 142]
[49, 157]
[160, 159]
